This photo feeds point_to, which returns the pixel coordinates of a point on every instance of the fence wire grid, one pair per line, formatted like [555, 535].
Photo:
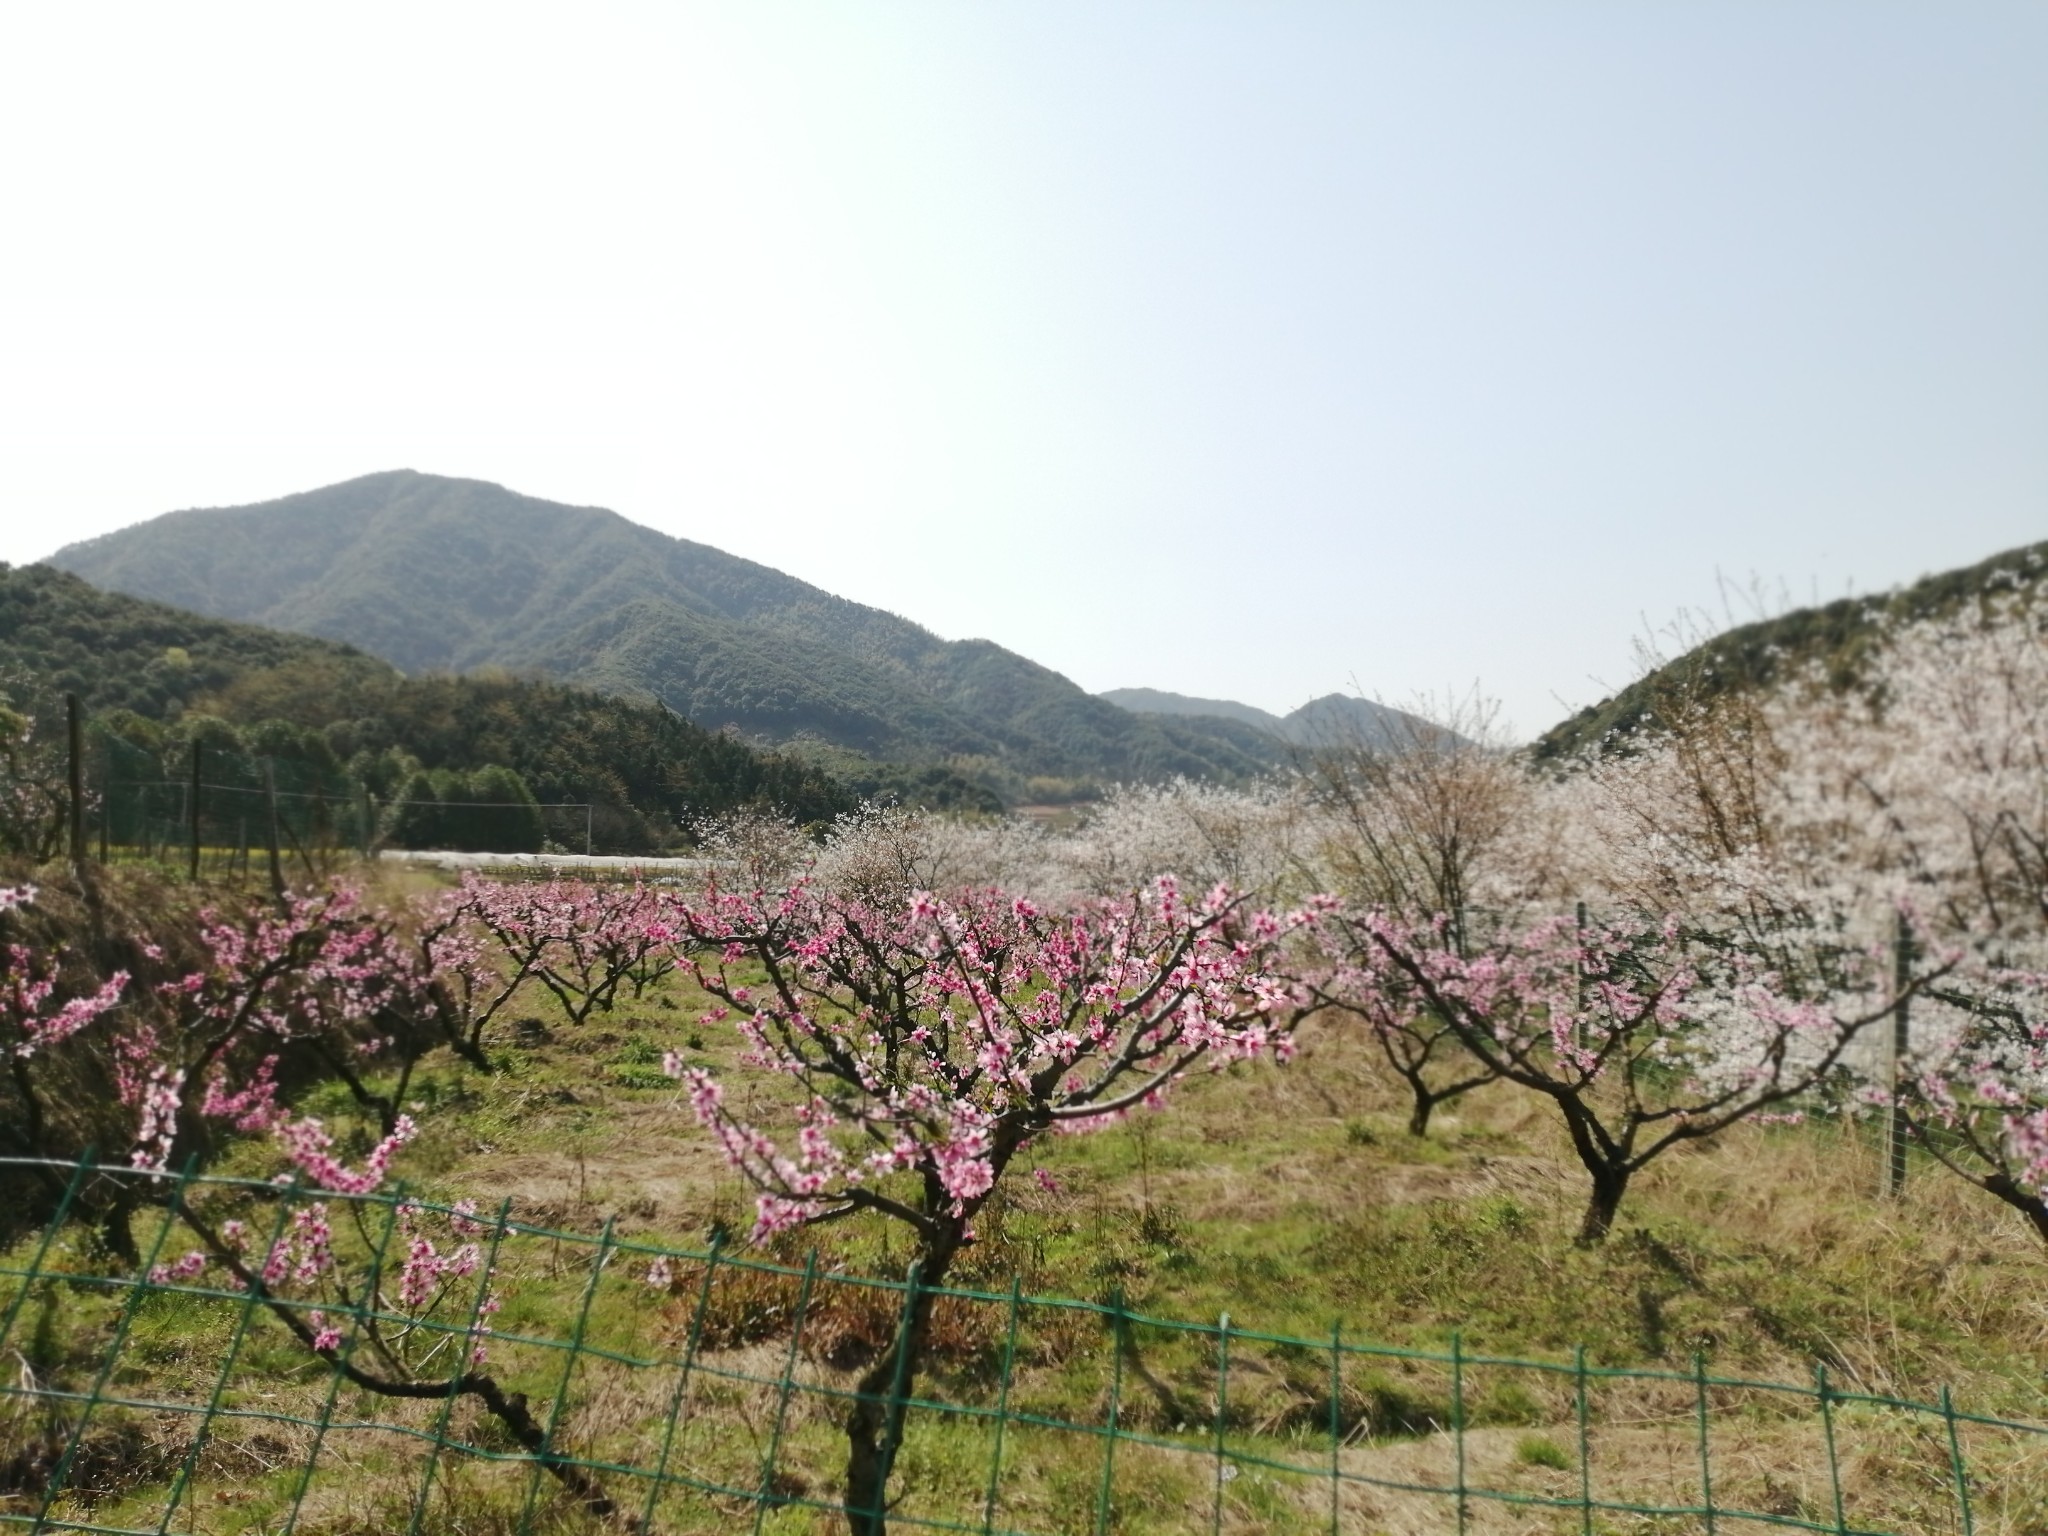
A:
[666, 1389]
[225, 812]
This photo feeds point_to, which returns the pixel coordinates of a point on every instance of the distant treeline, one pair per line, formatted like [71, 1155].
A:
[157, 679]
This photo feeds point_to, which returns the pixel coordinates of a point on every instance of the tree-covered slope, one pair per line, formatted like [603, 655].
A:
[126, 656]
[1835, 636]
[118, 652]
[1157, 701]
[433, 573]
[1332, 719]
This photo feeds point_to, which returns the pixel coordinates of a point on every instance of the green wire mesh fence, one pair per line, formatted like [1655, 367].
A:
[227, 809]
[641, 1387]
[212, 810]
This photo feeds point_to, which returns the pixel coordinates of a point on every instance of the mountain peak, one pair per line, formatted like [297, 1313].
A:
[433, 572]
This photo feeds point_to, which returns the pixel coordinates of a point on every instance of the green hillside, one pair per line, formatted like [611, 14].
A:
[1836, 636]
[118, 653]
[151, 672]
[434, 573]
[1335, 719]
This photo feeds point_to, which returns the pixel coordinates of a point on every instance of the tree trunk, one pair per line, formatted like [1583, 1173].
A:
[117, 1230]
[874, 1425]
[1609, 1185]
[2029, 1205]
[1418, 1117]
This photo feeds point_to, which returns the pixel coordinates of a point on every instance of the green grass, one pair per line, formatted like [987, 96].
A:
[1290, 1198]
[1542, 1451]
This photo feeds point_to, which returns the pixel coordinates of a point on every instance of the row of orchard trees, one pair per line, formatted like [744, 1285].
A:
[1725, 918]
[931, 1041]
[1683, 935]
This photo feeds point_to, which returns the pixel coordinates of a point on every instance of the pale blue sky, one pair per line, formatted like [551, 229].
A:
[1245, 350]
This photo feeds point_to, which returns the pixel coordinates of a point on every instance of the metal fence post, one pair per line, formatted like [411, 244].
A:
[358, 1316]
[1827, 1421]
[995, 1466]
[1117, 1324]
[183, 1481]
[106, 794]
[906, 1345]
[1585, 1443]
[1458, 1425]
[42, 1253]
[1955, 1462]
[1336, 1426]
[1699, 1375]
[270, 796]
[1222, 1412]
[1902, 1044]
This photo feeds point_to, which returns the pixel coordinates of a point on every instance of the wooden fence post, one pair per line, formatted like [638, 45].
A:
[74, 730]
[197, 749]
[270, 794]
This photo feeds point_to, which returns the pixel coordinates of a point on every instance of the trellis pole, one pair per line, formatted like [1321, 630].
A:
[74, 735]
[1902, 1045]
[197, 751]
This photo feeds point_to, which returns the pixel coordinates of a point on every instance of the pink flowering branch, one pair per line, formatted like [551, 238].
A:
[36, 1017]
[1974, 1095]
[1338, 972]
[928, 1043]
[303, 1283]
[1641, 1036]
[580, 941]
[318, 975]
[938, 1040]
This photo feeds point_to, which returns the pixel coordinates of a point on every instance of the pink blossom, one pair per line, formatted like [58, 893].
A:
[948, 1029]
[190, 1267]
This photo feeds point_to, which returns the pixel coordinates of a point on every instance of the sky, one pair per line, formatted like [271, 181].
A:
[1255, 350]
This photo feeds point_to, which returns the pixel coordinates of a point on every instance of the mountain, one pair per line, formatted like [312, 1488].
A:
[149, 674]
[1836, 637]
[1333, 718]
[432, 573]
[1155, 701]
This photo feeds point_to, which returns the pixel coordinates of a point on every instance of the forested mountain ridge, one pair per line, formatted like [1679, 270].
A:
[432, 573]
[1837, 637]
[1331, 719]
[150, 672]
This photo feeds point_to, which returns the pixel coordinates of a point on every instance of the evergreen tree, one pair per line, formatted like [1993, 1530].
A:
[506, 818]
[417, 818]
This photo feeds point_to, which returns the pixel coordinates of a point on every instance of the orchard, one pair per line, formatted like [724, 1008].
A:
[1818, 912]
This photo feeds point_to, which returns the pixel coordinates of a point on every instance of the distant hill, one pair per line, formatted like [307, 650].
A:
[65, 636]
[140, 668]
[1335, 717]
[1155, 701]
[432, 573]
[1837, 636]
